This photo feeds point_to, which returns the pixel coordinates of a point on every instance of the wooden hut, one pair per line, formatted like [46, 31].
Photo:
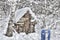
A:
[23, 21]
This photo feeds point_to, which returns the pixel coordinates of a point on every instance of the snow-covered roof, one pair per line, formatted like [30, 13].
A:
[21, 12]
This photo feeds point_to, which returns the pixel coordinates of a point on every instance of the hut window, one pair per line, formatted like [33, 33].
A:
[32, 18]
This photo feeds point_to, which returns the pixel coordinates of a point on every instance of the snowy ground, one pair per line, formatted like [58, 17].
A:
[21, 36]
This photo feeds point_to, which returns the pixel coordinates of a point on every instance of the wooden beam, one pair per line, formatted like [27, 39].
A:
[19, 23]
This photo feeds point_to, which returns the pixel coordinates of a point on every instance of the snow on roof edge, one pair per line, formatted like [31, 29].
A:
[20, 12]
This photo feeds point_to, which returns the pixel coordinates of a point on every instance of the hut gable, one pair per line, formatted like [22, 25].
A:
[24, 24]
